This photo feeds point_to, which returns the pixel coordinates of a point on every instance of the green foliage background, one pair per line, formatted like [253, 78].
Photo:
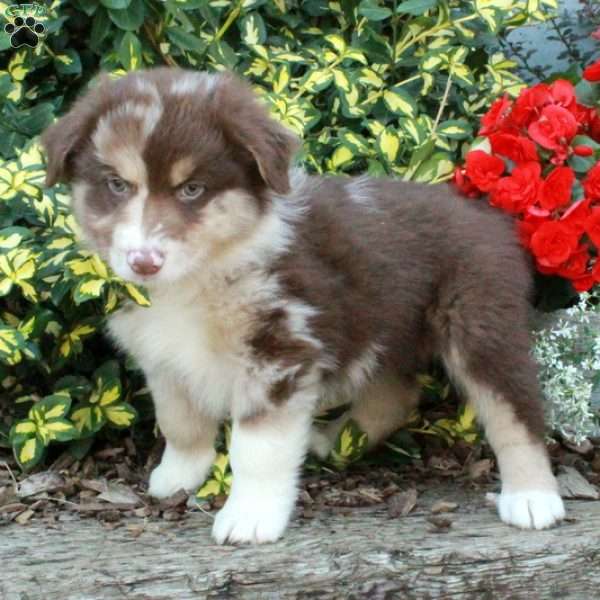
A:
[379, 86]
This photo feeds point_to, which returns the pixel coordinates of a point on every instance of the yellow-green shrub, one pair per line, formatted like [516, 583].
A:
[384, 87]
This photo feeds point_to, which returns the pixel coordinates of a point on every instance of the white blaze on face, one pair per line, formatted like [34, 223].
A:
[119, 140]
[129, 235]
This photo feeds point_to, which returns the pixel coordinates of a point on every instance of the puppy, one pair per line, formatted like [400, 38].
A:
[273, 291]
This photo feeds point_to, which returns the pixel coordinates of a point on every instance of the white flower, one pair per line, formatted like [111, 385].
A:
[568, 354]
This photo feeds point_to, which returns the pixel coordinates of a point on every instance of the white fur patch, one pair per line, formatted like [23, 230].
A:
[192, 83]
[529, 495]
[266, 456]
[360, 190]
[128, 234]
[361, 369]
[531, 509]
[107, 135]
[197, 330]
[178, 470]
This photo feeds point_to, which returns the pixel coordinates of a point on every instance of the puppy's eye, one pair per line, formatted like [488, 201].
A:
[190, 191]
[117, 185]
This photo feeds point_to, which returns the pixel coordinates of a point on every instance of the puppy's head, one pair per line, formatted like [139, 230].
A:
[170, 169]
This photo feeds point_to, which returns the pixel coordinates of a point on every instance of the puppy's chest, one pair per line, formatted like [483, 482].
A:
[194, 338]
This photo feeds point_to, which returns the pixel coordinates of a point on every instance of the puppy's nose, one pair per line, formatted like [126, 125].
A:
[145, 262]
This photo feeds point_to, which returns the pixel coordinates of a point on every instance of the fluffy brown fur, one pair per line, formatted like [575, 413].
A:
[290, 291]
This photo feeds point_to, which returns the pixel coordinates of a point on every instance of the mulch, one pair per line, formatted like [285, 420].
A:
[110, 485]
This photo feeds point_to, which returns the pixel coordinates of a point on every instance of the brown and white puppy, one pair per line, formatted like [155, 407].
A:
[273, 291]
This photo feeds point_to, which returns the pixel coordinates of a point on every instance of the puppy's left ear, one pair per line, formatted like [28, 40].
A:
[247, 124]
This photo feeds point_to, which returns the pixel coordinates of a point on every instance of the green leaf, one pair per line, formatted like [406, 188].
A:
[79, 448]
[223, 54]
[372, 11]
[438, 166]
[118, 4]
[317, 80]
[89, 7]
[456, 129]
[400, 102]
[388, 144]
[416, 7]
[422, 153]
[253, 30]
[121, 415]
[130, 52]
[11, 344]
[68, 62]
[130, 18]
[22, 430]
[88, 288]
[186, 41]
[62, 430]
[581, 164]
[55, 406]
[350, 445]
[489, 13]
[341, 156]
[100, 28]
[38, 117]
[88, 419]
[29, 452]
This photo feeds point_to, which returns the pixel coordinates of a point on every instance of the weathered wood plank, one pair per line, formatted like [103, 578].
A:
[362, 554]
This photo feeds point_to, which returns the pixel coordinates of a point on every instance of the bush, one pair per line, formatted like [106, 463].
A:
[383, 87]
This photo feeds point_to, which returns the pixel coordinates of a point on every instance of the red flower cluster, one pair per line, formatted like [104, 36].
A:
[540, 164]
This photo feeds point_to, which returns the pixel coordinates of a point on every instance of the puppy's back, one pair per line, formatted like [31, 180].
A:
[381, 258]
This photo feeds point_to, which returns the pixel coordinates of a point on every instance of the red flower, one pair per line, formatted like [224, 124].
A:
[516, 147]
[530, 103]
[553, 243]
[576, 215]
[592, 226]
[583, 284]
[576, 265]
[592, 72]
[593, 124]
[591, 184]
[563, 92]
[483, 169]
[464, 184]
[554, 130]
[514, 194]
[555, 191]
[528, 226]
[496, 116]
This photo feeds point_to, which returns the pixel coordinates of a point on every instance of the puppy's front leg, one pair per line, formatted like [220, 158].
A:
[190, 436]
[266, 453]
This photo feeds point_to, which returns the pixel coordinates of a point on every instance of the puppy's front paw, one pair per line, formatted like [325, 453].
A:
[254, 520]
[531, 509]
[179, 471]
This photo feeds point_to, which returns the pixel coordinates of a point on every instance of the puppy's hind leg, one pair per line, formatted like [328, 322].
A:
[380, 408]
[508, 406]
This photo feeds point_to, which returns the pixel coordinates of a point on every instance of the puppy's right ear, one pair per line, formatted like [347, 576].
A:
[64, 137]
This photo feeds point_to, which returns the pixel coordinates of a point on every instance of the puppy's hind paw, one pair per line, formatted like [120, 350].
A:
[530, 509]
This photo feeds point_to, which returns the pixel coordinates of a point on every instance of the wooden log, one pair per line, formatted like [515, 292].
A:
[361, 554]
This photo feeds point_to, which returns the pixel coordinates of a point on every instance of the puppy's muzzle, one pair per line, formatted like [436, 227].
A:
[146, 261]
